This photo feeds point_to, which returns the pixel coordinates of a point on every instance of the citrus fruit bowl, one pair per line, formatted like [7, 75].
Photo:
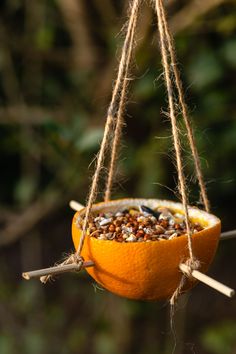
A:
[147, 270]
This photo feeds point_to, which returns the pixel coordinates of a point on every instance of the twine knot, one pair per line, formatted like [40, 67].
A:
[75, 259]
[192, 264]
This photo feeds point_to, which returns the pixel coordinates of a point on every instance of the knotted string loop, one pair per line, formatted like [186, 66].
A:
[192, 264]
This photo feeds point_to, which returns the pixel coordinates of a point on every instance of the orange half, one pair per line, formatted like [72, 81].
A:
[147, 270]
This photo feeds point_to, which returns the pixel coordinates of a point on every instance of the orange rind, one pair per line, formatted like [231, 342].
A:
[147, 270]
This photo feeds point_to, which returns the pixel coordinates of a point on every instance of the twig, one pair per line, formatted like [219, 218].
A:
[84, 52]
[30, 115]
[25, 221]
[110, 14]
[189, 14]
[57, 270]
[228, 235]
[75, 205]
[10, 82]
[208, 280]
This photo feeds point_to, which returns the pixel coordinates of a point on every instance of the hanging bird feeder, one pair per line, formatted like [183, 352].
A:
[146, 270]
[144, 265]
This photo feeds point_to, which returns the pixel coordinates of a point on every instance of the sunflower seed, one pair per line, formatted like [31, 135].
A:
[119, 213]
[102, 237]
[110, 235]
[169, 232]
[105, 221]
[174, 235]
[159, 229]
[131, 238]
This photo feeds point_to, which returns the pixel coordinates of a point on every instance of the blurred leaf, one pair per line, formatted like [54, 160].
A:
[44, 38]
[52, 91]
[227, 24]
[76, 338]
[14, 5]
[26, 297]
[104, 344]
[34, 342]
[6, 344]
[228, 139]
[145, 86]
[214, 104]
[74, 130]
[90, 139]
[50, 125]
[229, 52]
[56, 315]
[25, 190]
[149, 166]
[220, 338]
[204, 69]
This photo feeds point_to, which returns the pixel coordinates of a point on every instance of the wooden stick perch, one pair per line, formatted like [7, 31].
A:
[228, 235]
[75, 205]
[208, 280]
[56, 270]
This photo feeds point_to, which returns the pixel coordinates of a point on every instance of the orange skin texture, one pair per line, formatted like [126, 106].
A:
[145, 270]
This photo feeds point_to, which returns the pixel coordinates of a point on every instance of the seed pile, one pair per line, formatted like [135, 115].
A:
[141, 224]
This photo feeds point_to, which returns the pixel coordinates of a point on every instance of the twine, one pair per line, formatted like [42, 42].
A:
[125, 56]
[175, 132]
[192, 265]
[166, 46]
[95, 180]
[120, 85]
[184, 109]
[122, 80]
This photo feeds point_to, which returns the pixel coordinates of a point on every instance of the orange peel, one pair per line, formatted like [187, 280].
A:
[147, 270]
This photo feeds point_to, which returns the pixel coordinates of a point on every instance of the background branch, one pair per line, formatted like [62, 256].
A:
[194, 9]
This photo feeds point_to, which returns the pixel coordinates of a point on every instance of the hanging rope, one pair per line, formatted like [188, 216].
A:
[184, 110]
[167, 51]
[115, 145]
[125, 65]
[120, 86]
[175, 132]
[125, 57]
[94, 186]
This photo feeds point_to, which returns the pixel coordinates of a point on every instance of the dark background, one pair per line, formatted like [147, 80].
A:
[58, 60]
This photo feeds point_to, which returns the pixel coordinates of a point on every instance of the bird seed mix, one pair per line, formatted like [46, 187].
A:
[141, 224]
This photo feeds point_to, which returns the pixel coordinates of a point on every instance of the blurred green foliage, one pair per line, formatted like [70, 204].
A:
[57, 63]
[220, 338]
